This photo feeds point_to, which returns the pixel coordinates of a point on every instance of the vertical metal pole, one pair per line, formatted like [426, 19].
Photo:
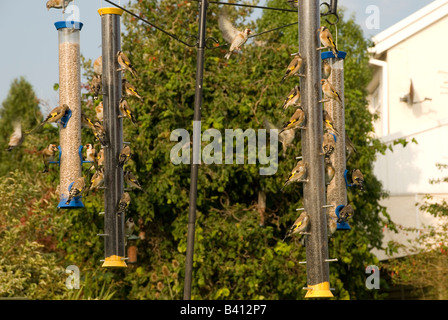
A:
[337, 190]
[312, 137]
[113, 125]
[203, 4]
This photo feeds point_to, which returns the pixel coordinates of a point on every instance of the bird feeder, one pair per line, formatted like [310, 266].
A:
[337, 190]
[132, 249]
[113, 125]
[70, 94]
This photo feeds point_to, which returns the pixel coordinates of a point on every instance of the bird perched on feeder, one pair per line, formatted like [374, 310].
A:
[86, 122]
[298, 174]
[99, 111]
[124, 202]
[76, 190]
[132, 181]
[300, 226]
[327, 40]
[126, 111]
[97, 179]
[329, 91]
[232, 35]
[100, 158]
[332, 224]
[17, 137]
[297, 121]
[125, 63]
[345, 213]
[294, 67]
[293, 98]
[328, 123]
[129, 227]
[98, 65]
[358, 179]
[326, 69]
[54, 116]
[91, 154]
[96, 86]
[48, 155]
[130, 90]
[124, 156]
[58, 4]
[286, 137]
[329, 171]
[328, 145]
[100, 133]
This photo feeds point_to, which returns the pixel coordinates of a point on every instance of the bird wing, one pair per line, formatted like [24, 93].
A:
[229, 32]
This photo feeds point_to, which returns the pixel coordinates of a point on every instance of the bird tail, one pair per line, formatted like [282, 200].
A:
[227, 56]
[283, 79]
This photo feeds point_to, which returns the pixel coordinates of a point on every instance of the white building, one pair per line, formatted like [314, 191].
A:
[409, 91]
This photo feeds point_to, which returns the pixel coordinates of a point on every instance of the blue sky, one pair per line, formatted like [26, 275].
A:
[30, 40]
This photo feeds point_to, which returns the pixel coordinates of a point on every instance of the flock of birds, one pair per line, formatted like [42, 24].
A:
[237, 39]
[48, 154]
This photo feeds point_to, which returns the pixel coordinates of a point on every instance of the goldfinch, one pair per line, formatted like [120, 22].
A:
[17, 137]
[328, 145]
[76, 190]
[129, 90]
[48, 155]
[326, 69]
[124, 202]
[132, 181]
[100, 133]
[345, 213]
[328, 123]
[99, 111]
[298, 174]
[96, 86]
[125, 63]
[297, 121]
[327, 40]
[98, 65]
[358, 179]
[294, 66]
[86, 122]
[232, 35]
[329, 91]
[300, 226]
[58, 4]
[124, 156]
[329, 171]
[126, 111]
[293, 98]
[97, 179]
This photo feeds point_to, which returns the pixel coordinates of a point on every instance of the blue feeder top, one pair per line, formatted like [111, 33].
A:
[68, 24]
[329, 54]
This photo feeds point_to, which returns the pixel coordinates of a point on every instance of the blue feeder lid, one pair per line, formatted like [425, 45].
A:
[343, 225]
[329, 54]
[69, 24]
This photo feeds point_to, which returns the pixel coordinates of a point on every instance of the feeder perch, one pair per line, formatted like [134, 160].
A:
[65, 118]
[74, 204]
[343, 225]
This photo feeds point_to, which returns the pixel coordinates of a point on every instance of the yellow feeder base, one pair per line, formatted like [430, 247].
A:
[321, 290]
[114, 262]
[102, 11]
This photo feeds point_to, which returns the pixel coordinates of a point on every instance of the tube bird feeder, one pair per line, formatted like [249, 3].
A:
[114, 237]
[70, 94]
[317, 269]
[337, 188]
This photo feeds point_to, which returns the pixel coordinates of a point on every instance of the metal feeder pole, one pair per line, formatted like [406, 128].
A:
[114, 237]
[69, 94]
[318, 276]
[337, 189]
[196, 142]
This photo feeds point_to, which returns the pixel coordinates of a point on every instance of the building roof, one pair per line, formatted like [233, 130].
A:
[409, 26]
